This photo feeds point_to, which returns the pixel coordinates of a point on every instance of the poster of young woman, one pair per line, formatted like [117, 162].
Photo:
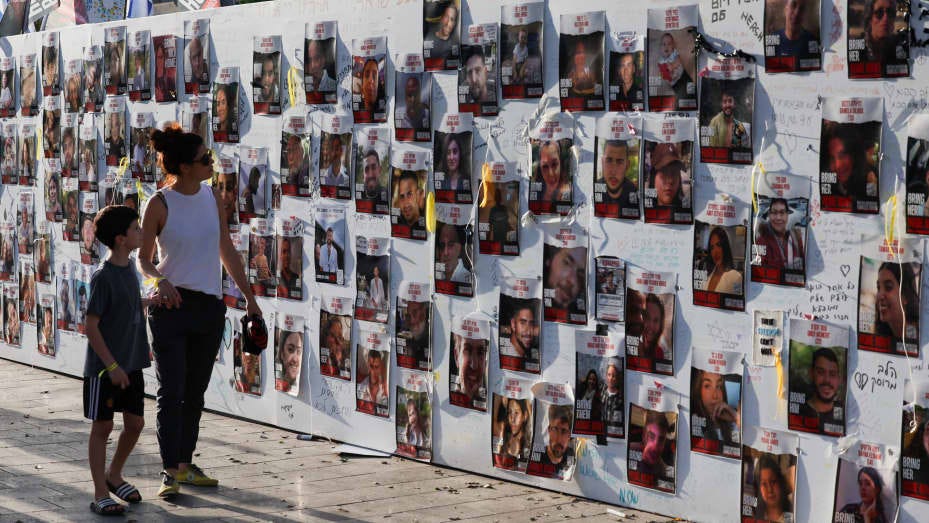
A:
[551, 183]
[769, 475]
[888, 296]
[288, 353]
[720, 243]
[716, 403]
[452, 150]
[914, 463]
[866, 484]
[511, 424]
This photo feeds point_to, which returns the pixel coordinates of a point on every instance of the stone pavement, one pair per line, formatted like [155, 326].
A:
[266, 473]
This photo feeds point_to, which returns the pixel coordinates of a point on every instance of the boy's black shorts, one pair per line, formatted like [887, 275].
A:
[102, 398]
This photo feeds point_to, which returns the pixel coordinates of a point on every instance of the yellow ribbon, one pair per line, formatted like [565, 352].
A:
[293, 83]
[779, 365]
[486, 180]
[890, 224]
[121, 169]
[430, 212]
[755, 168]
[39, 154]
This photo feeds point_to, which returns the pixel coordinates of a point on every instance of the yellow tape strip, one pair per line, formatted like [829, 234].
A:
[430, 212]
[293, 85]
[755, 168]
[486, 181]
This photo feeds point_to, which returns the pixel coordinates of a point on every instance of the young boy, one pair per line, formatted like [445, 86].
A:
[117, 352]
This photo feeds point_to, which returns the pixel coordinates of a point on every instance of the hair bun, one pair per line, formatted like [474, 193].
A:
[166, 135]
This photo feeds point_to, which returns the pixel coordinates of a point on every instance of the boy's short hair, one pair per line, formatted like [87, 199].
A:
[112, 221]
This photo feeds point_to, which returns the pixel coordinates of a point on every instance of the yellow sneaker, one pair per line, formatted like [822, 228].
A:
[194, 476]
[169, 486]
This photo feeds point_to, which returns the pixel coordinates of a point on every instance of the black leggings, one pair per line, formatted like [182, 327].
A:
[185, 341]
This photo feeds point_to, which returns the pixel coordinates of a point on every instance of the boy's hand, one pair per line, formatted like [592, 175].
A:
[119, 377]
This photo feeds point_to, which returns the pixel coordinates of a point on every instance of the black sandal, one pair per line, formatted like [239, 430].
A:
[125, 492]
[107, 507]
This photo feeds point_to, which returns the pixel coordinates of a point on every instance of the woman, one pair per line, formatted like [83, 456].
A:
[415, 431]
[515, 438]
[6, 93]
[227, 185]
[708, 394]
[289, 357]
[115, 68]
[222, 109]
[53, 211]
[457, 172]
[896, 303]
[550, 171]
[591, 391]
[651, 345]
[918, 451]
[774, 499]
[187, 221]
[871, 507]
[721, 275]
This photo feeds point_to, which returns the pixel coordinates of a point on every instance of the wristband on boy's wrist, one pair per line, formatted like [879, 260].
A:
[110, 368]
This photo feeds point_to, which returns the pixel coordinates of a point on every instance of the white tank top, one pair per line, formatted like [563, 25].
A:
[189, 242]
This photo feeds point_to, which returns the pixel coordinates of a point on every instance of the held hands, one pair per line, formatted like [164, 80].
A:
[119, 377]
[167, 296]
[251, 307]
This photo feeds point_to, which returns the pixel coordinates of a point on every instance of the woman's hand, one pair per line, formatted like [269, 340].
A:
[251, 307]
[170, 298]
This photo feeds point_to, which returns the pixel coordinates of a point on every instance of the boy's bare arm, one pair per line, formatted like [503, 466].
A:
[118, 376]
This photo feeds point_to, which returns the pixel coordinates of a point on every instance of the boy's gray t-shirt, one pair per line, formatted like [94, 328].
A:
[115, 298]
